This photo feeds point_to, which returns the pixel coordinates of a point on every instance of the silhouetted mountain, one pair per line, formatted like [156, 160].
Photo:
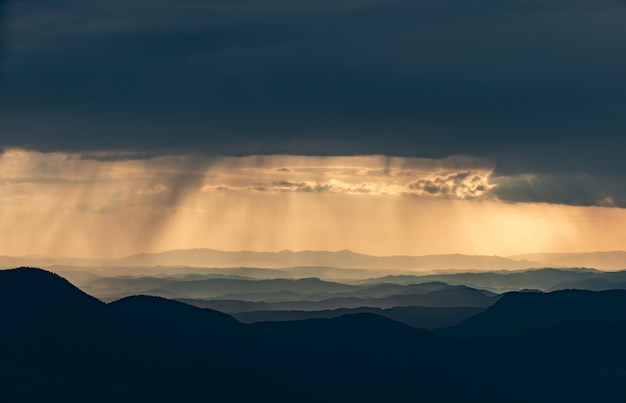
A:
[574, 361]
[156, 311]
[518, 311]
[227, 305]
[151, 349]
[59, 344]
[374, 358]
[42, 297]
[44, 288]
[416, 316]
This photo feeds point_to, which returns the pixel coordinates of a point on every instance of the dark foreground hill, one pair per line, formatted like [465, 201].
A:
[518, 311]
[59, 344]
[416, 316]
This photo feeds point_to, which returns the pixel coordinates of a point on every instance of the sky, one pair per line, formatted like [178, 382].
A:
[385, 127]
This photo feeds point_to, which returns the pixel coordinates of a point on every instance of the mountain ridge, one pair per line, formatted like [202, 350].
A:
[526, 310]
[153, 349]
[344, 259]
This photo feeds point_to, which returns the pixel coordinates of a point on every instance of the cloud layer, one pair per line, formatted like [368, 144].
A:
[536, 85]
[535, 88]
[163, 180]
[99, 205]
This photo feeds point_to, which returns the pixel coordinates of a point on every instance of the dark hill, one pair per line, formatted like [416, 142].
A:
[366, 357]
[144, 311]
[59, 344]
[154, 350]
[518, 311]
[37, 303]
[361, 326]
[415, 316]
[44, 289]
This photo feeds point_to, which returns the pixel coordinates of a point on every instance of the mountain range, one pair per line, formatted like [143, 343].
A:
[548, 279]
[612, 260]
[60, 344]
[344, 259]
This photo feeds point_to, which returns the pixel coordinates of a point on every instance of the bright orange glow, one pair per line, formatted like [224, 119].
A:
[63, 205]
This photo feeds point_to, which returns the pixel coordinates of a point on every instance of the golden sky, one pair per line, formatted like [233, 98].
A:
[112, 205]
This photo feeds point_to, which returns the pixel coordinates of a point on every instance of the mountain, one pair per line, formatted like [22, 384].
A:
[519, 311]
[574, 361]
[433, 295]
[44, 288]
[42, 298]
[151, 349]
[155, 311]
[341, 266]
[344, 259]
[313, 293]
[592, 284]
[228, 306]
[502, 281]
[217, 285]
[374, 359]
[213, 287]
[59, 344]
[614, 260]
[84, 274]
[415, 316]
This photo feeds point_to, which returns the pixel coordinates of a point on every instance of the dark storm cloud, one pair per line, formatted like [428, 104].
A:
[537, 86]
[580, 190]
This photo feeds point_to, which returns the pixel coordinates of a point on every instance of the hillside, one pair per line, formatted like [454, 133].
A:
[60, 344]
[519, 311]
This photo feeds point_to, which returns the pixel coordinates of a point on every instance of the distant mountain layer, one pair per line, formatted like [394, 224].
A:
[615, 260]
[338, 266]
[344, 259]
[287, 294]
[60, 344]
[341, 259]
[503, 281]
